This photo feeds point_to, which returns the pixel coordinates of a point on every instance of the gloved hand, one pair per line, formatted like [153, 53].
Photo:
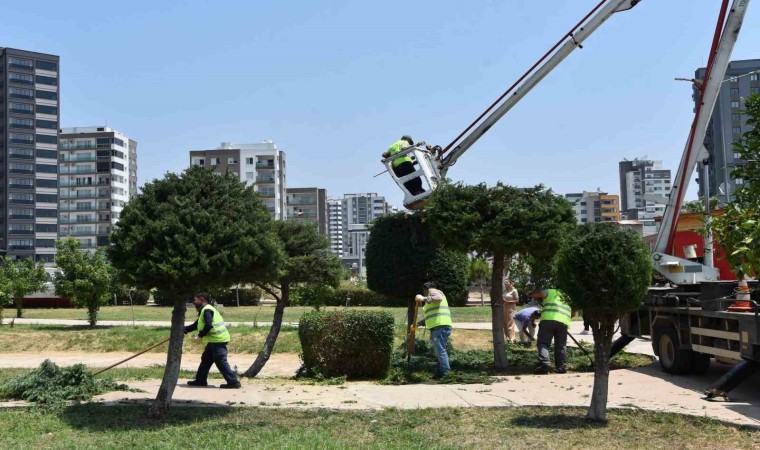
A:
[197, 340]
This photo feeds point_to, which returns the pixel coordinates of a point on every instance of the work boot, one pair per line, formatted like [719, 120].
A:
[235, 385]
[541, 370]
[561, 370]
[585, 332]
[197, 383]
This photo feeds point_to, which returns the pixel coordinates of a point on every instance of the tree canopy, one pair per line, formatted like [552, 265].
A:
[19, 278]
[84, 277]
[738, 230]
[401, 256]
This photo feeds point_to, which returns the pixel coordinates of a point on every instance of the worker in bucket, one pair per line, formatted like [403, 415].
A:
[525, 319]
[403, 165]
[438, 321]
[213, 333]
[556, 317]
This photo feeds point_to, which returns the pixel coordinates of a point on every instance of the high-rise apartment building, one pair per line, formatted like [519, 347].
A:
[308, 205]
[335, 224]
[727, 125]
[644, 186]
[595, 206]
[29, 117]
[358, 211]
[262, 165]
[97, 176]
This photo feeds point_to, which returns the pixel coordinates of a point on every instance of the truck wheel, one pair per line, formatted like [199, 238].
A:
[700, 363]
[672, 359]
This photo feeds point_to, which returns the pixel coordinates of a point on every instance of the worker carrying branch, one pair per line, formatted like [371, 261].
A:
[404, 165]
[438, 321]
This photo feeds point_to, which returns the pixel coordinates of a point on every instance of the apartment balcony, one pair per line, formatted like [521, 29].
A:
[21, 186]
[67, 146]
[80, 195]
[76, 207]
[76, 170]
[265, 179]
[15, 232]
[296, 216]
[266, 194]
[12, 170]
[77, 232]
[21, 216]
[65, 220]
[302, 201]
[74, 159]
[265, 166]
[20, 247]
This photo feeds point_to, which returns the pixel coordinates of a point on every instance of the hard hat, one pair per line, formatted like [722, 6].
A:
[407, 138]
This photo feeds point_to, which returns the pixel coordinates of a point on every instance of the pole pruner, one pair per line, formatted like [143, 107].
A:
[411, 335]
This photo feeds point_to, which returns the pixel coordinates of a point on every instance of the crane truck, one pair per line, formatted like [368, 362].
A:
[696, 317]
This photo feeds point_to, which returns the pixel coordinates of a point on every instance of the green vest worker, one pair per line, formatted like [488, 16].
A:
[556, 316]
[438, 321]
[213, 333]
[403, 165]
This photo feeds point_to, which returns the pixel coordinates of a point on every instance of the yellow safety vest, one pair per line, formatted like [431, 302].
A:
[437, 314]
[555, 308]
[218, 333]
[397, 147]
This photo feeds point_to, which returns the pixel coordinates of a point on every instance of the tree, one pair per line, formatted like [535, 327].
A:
[501, 221]
[308, 260]
[605, 271]
[85, 278]
[478, 273]
[698, 206]
[738, 230]
[401, 256]
[21, 277]
[188, 233]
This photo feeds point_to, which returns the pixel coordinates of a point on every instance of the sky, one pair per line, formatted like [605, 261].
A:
[334, 83]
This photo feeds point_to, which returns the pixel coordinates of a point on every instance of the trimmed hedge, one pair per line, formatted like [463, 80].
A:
[248, 297]
[355, 344]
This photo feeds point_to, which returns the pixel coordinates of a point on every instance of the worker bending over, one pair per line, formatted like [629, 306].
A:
[438, 321]
[526, 323]
[556, 316]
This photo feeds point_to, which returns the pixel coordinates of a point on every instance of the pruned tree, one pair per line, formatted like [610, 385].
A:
[21, 277]
[86, 278]
[308, 259]
[501, 221]
[187, 233]
[605, 271]
[738, 229]
[478, 274]
[401, 256]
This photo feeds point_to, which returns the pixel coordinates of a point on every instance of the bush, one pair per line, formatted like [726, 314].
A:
[248, 297]
[139, 297]
[162, 299]
[309, 294]
[449, 270]
[357, 344]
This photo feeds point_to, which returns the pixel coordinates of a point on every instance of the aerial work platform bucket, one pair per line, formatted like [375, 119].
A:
[426, 169]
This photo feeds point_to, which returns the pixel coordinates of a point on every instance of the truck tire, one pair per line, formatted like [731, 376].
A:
[700, 363]
[673, 360]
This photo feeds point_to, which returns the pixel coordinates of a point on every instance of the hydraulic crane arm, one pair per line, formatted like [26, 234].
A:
[720, 54]
[572, 40]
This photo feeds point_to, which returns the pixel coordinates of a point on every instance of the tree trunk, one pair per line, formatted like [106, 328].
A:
[274, 331]
[411, 306]
[497, 313]
[19, 302]
[482, 297]
[92, 315]
[603, 326]
[173, 360]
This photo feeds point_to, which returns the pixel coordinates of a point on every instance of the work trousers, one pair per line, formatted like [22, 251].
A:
[527, 331]
[439, 336]
[510, 308]
[215, 353]
[548, 330]
[414, 186]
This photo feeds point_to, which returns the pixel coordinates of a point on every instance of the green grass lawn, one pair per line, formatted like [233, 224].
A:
[93, 426]
[231, 314]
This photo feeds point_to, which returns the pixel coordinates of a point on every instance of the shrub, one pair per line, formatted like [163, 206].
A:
[162, 299]
[139, 297]
[310, 294]
[357, 344]
[449, 270]
[248, 297]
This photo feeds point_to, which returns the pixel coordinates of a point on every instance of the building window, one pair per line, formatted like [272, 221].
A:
[47, 124]
[47, 95]
[50, 81]
[51, 154]
[15, 122]
[736, 130]
[734, 91]
[754, 90]
[46, 228]
[198, 162]
[47, 168]
[46, 65]
[22, 183]
[754, 77]
[45, 243]
[735, 104]
[21, 93]
[249, 161]
[47, 213]
[20, 138]
[20, 63]
[46, 139]
[46, 198]
[46, 183]
[45, 109]
[24, 153]
[215, 161]
[737, 155]
[21, 108]
[20, 78]
[19, 198]
[20, 244]
[736, 117]
[21, 228]
[739, 181]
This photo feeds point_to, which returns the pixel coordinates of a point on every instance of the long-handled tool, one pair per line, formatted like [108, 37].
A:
[131, 357]
[412, 334]
[582, 349]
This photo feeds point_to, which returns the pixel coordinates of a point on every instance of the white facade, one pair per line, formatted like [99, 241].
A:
[262, 165]
[358, 211]
[335, 225]
[97, 176]
[643, 181]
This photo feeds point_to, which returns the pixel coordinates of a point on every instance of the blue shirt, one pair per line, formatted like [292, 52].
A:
[523, 316]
